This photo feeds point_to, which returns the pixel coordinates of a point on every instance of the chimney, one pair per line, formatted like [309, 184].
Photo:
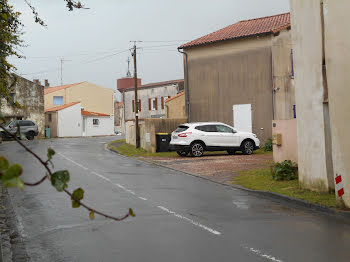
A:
[47, 84]
[36, 81]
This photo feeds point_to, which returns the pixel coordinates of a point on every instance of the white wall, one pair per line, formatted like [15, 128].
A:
[69, 121]
[105, 127]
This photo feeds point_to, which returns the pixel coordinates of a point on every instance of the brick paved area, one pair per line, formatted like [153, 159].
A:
[218, 167]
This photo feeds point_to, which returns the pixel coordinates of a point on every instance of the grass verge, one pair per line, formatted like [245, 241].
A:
[129, 150]
[262, 180]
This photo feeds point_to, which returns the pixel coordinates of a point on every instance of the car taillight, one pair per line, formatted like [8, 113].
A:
[184, 134]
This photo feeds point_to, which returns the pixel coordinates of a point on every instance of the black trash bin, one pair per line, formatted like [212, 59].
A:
[163, 141]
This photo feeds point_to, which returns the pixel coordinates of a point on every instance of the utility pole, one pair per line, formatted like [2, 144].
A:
[136, 101]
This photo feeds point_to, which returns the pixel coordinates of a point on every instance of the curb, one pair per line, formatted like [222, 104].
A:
[270, 195]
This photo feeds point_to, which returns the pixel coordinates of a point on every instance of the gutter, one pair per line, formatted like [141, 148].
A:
[187, 103]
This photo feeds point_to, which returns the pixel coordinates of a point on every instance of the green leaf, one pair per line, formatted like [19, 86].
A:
[50, 153]
[4, 163]
[14, 171]
[131, 212]
[11, 177]
[75, 204]
[13, 182]
[22, 136]
[60, 179]
[92, 215]
[78, 194]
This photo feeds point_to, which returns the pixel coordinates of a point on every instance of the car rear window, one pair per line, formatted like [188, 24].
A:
[180, 129]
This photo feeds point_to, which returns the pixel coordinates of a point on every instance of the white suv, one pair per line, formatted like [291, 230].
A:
[195, 138]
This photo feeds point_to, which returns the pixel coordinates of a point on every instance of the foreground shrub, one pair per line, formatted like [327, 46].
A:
[286, 170]
[268, 145]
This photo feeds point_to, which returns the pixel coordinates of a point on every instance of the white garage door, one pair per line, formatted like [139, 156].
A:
[242, 117]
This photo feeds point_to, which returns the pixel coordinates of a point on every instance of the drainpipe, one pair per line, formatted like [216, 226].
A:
[187, 102]
[167, 111]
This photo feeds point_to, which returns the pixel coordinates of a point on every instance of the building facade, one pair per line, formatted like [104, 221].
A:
[175, 107]
[70, 120]
[96, 100]
[30, 96]
[322, 60]
[151, 99]
[92, 97]
[230, 75]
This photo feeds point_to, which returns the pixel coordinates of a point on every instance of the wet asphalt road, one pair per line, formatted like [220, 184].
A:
[178, 217]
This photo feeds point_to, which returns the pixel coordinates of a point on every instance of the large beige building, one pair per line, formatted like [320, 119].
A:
[239, 74]
[93, 98]
[321, 45]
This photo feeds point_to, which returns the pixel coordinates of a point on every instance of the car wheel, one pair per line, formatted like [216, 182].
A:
[231, 152]
[197, 149]
[30, 135]
[247, 147]
[182, 153]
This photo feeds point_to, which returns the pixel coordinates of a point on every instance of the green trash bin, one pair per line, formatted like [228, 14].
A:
[47, 132]
[163, 141]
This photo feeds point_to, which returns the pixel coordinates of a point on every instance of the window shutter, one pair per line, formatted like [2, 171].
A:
[133, 105]
[149, 104]
[140, 105]
[162, 102]
[156, 102]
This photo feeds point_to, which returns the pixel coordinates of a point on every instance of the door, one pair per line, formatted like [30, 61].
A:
[227, 136]
[209, 135]
[242, 117]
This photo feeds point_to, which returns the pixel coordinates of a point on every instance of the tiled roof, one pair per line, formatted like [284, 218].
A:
[158, 84]
[57, 108]
[171, 98]
[56, 88]
[246, 28]
[88, 113]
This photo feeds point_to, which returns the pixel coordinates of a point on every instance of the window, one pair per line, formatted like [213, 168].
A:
[224, 129]
[163, 100]
[180, 129]
[207, 128]
[50, 117]
[26, 123]
[95, 122]
[153, 103]
[58, 100]
[12, 99]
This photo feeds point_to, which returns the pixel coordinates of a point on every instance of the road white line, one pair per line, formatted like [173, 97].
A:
[261, 254]
[101, 176]
[190, 220]
[142, 198]
[131, 192]
[120, 186]
[83, 167]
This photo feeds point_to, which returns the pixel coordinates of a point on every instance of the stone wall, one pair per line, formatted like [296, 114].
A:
[30, 95]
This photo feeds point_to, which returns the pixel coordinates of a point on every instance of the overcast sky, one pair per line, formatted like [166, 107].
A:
[95, 42]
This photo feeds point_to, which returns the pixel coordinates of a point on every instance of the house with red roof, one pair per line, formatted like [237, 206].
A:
[241, 75]
[79, 109]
